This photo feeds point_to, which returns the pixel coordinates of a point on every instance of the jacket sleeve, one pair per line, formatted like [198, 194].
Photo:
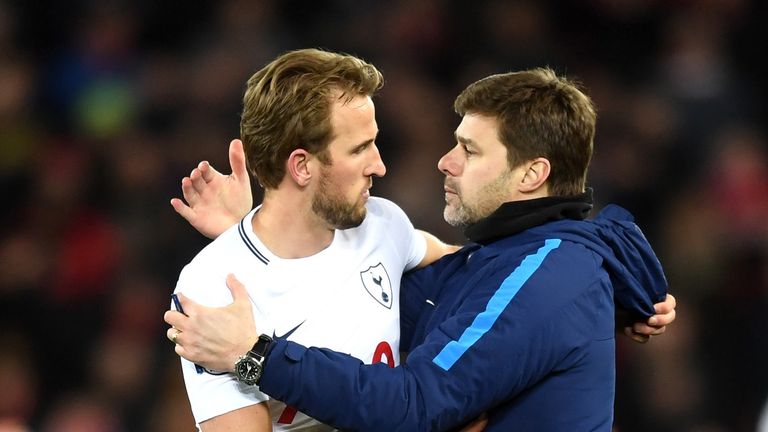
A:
[412, 300]
[420, 286]
[636, 273]
[493, 346]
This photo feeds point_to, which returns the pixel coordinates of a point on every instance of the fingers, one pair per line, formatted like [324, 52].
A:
[182, 209]
[190, 307]
[647, 330]
[175, 319]
[237, 160]
[665, 312]
[198, 180]
[668, 305]
[173, 335]
[239, 293]
[181, 351]
[662, 320]
[207, 171]
[198, 183]
[190, 194]
[639, 338]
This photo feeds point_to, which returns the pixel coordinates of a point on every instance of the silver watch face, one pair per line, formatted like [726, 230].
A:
[248, 370]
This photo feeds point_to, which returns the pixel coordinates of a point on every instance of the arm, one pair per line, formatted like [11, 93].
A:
[254, 418]
[446, 380]
[519, 337]
[436, 249]
[215, 201]
[634, 313]
[214, 337]
[418, 290]
[422, 395]
[218, 401]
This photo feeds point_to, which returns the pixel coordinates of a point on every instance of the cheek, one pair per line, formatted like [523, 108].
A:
[473, 180]
[474, 189]
[349, 182]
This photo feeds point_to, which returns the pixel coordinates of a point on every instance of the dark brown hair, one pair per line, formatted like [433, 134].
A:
[540, 115]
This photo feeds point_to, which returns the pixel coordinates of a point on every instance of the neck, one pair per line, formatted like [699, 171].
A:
[286, 225]
[516, 216]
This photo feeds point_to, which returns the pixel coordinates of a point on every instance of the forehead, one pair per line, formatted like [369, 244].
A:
[353, 121]
[480, 130]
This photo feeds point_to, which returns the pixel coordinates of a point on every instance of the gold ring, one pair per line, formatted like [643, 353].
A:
[174, 336]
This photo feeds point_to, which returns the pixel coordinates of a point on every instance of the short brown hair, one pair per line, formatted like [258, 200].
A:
[287, 105]
[540, 115]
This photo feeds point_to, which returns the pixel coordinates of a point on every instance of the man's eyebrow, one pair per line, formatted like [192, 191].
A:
[463, 140]
[368, 141]
[365, 143]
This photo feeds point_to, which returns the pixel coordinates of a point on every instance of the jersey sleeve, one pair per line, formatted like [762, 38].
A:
[211, 393]
[400, 230]
[493, 347]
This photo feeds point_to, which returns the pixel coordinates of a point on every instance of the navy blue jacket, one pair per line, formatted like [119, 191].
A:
[521, 328]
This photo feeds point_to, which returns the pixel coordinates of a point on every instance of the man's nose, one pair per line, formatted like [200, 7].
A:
[377, 167]
[448, 164]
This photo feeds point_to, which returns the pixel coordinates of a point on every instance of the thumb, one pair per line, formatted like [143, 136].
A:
[668, 305]
[237, 160]
[239, 293]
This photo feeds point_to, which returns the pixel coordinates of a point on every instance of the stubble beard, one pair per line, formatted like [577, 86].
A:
[329, 203]
[489, 198]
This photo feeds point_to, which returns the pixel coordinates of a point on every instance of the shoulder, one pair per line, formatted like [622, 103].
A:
[549, 283]
[536, 245]
[382, 212]
[225, 243]
[382, 207]
[210, 265]
[549, 262]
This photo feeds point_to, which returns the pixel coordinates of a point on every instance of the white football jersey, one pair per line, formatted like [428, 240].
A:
[345, 297]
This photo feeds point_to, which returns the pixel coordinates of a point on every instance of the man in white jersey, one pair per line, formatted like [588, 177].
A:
[321, 258]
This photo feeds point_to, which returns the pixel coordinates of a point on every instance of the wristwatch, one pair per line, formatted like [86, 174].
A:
[249, 367]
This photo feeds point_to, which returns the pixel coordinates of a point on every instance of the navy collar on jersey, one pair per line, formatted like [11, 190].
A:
[516, 216]
[241, 229]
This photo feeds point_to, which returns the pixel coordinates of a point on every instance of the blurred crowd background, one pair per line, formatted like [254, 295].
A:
[106, 105]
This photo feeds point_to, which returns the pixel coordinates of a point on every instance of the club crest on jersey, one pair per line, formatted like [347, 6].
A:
[376, 282]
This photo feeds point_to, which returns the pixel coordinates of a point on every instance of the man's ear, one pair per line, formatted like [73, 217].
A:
[298, 168]
[536, 174]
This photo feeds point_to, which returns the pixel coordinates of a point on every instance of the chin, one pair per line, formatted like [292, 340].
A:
[352, 220]
[457, 219]
[359, 218]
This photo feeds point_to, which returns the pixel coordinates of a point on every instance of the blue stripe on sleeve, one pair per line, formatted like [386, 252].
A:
[451, 353]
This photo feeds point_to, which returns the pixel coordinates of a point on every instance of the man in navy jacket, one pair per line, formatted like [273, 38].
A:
[519, 324]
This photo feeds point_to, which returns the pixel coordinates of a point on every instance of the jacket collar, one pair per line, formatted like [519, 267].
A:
[516, 216]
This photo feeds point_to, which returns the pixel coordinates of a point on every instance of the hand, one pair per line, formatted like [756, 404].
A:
[214, 337]
[216, 201]
[657, 324]
[477, 425]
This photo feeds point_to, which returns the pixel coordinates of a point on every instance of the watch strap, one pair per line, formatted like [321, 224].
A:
[259, 349]
[250, 366]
